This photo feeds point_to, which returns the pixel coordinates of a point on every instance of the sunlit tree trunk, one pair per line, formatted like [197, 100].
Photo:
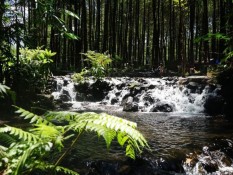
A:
[192, 7]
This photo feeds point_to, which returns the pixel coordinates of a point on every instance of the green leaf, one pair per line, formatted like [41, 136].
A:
[71, 14]
[70, 36]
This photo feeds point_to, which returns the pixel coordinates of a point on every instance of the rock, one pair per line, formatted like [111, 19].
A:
[64, 98]
[225, 79]
[95, 91]
[161, 107]
[120, 86]
[193, 86]
[151, 86]
[214, 104]
[114, 101]
[129, 105]
[148, 98]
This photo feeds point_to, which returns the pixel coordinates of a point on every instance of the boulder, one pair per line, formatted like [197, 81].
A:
[214, 104]
[64, 98]
[129, 105]
[162, 107]
[114, 101]
[93, 92]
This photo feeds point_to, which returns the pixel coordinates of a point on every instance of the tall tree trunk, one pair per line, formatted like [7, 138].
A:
[192, 7]
[130, 39]
[205, 31]
[155, 46]
[97, 33]
[214, 30]
[2, 10]
[222, 28]
[106, 25]
[181, 58]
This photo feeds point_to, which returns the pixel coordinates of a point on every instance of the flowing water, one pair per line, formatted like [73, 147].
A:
[199, 143]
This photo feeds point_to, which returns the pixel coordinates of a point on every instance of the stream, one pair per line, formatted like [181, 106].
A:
[183, 138]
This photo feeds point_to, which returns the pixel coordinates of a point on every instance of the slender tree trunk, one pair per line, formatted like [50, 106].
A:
[155, 46]
[181, 56]
[214, 30]
[106, 23]
[97, 33]
[222, 28]
[130, 39]
[205, 31]
[192, 7]
[2, 10]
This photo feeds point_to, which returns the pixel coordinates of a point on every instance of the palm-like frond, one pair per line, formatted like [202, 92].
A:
[107, 126]
[20, 134]
[6, 139]
[33, 117]
[30, 148]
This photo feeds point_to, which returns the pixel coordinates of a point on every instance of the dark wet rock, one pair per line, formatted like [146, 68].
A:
[103, 168]
[225, 79]
[118, 93]
[214, 104]
[99, 89]
[210, 88]
[64, 98]
[124, 98]
[151, 86]
[65, 82]
[162, 107]
[193, 86]
[95, 91]
[212, 157]
[82, 87]
[136, 90]
[120, 86]
[209, 165]
[114, 100]
[44, 101]
[148, 98]
[129, 105]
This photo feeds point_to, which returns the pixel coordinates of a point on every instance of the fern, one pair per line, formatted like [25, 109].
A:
[33, 117]
[27, 151]
[106, 126]
[23, 135]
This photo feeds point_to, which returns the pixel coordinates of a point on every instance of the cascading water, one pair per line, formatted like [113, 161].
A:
[147, 94]
[64, 89]
[170, 113]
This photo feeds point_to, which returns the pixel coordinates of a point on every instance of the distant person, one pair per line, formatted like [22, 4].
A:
[161, 69]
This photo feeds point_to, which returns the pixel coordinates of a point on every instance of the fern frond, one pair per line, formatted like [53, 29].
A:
[65, 170]
[59, 169]
[110, 127]
[60, 116]
[3, 151]
[23, 135]
[33, 117]
[51, 133]
[6, 139]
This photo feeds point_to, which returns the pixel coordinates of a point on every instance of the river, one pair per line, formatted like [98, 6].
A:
[184, 140]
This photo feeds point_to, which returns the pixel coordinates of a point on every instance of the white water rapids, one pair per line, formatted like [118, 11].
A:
[180, 132]
[165, 91]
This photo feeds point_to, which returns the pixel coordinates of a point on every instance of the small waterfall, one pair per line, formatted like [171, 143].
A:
[150, 91]
[64, 89]
[143, 94]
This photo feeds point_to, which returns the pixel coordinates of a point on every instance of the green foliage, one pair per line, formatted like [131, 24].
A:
[26, 151]
[54, 17]
[80, 77]
[99, 63]
[32, 71]
[5, 90]
[209, 36]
